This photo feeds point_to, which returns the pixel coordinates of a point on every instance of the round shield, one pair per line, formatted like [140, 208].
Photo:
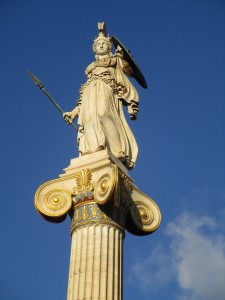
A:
[127, 56]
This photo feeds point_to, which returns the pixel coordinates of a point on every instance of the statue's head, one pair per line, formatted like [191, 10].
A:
[102, 44]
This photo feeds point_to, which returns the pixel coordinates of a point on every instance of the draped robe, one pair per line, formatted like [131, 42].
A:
[101, 118]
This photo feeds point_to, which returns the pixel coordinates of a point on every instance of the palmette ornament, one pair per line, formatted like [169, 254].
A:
[97, 187]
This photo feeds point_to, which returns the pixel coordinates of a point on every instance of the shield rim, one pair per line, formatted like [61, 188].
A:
[137, 72]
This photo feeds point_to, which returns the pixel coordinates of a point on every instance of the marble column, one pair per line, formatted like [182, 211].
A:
[96, 262]
[100, 196]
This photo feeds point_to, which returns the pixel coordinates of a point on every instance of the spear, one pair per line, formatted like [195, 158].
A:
[38, 83]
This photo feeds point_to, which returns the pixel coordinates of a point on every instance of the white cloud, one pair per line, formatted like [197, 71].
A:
[198, 252]
[150, 273]
[195, 260]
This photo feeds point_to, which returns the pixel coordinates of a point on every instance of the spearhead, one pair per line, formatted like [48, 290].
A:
[38, 83]
[35, 80]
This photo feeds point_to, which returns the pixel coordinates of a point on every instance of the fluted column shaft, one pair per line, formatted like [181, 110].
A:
[96, 253]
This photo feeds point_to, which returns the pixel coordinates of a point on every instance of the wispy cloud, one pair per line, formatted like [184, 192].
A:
[151, 273]
[198, 253]
[195, 260]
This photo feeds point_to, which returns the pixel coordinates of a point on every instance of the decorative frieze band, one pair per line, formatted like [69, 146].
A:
[91, 213]
[75, 193]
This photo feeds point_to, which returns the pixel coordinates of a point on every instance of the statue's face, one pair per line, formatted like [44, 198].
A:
[102, 47]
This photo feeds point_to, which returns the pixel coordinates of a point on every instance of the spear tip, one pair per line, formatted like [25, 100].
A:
[35, 80]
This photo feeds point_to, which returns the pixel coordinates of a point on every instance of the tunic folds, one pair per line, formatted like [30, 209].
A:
[101, 118]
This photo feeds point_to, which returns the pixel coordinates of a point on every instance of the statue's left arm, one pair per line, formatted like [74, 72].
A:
[125, 65]
[130, 95]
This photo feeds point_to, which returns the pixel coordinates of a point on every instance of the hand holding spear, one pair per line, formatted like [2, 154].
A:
[66, 116]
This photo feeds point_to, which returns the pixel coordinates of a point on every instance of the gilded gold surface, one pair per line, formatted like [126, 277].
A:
[83, 182]
[149, 213]
[104, 188]
[94, 210]
[90, 213]
[54, 198]
[55, 203]
[145, 213]
[116, 197]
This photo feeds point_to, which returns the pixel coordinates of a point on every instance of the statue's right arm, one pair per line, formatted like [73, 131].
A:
[71, 115]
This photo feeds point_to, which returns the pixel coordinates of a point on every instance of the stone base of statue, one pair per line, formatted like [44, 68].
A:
[102, 200]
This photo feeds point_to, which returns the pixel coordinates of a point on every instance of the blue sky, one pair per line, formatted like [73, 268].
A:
[180, 130]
